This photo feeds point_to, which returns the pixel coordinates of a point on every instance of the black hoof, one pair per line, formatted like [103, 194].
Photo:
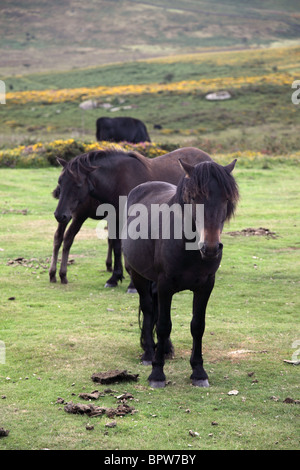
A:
[157, 383]
[200, 383]
[108, 284]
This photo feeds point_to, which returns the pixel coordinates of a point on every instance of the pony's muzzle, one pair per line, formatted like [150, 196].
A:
[211, 252]
[62, 218]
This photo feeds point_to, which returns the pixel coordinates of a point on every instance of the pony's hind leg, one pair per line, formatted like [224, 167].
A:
[131, 288]
[109, 256]
[118, 268]
[58, 239]
[143, 287]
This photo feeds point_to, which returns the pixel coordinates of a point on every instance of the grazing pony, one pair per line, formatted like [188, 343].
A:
[120, 129]
[101, 177]
[162, 265]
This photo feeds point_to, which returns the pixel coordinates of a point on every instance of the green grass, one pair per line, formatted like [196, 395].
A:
[57, 336]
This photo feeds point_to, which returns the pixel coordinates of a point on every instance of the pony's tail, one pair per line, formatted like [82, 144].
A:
[140, 311]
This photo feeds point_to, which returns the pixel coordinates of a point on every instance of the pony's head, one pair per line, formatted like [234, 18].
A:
[212, 185]
[72, 189]
[80, 179]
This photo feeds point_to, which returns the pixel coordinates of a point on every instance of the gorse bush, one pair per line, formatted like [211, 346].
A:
[40, 154]
[45, 154]
[184, 86]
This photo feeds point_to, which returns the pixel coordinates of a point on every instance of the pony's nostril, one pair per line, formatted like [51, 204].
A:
[61, 217]
[211, 251]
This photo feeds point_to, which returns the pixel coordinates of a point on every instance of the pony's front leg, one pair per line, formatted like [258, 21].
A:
[68, 241]
[157, 378]
[58, 239]
[199, 376]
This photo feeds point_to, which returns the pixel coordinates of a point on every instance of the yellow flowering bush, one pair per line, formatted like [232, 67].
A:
[185, 86]
[45, 154]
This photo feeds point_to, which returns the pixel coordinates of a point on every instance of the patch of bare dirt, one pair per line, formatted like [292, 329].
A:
[14, 211]
[29, 263]
[263, 232]
[35, 263]
[243, 354]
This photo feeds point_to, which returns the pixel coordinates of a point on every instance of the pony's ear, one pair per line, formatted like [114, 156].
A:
[187, 168]
[55, 192]
[61, 161]
[231, 166]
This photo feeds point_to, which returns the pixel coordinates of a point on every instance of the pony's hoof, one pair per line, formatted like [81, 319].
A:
[200, 383]
[64, 280]
[131, 290]
[108, 284]
[157, 383]
[52, 279]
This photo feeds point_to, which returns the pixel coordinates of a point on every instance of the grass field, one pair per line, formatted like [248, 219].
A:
[57, 336]
[158, 68]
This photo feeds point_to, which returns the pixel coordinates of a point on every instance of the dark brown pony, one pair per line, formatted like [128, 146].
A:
[104, 176]
[161, 266]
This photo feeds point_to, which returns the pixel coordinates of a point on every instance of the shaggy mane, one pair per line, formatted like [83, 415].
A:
[88, 162]
[198, 184]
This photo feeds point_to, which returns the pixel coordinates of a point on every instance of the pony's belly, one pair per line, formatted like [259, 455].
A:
[139, 255]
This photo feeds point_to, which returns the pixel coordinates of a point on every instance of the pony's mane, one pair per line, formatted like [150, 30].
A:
[198, 184]
[88, 162]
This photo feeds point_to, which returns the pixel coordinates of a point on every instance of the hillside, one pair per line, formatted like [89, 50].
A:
[38, 35]
[169, 92]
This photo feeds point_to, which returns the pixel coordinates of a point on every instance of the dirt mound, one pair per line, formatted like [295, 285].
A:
[264, 232]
